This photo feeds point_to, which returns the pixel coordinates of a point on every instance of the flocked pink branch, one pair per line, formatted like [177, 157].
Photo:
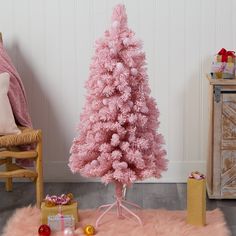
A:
[118, 138]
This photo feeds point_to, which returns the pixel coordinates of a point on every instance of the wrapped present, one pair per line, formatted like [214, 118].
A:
[196, 199]
[54, 205]
[223, 70]
[225, 56]
[59, 222]
[223, 66]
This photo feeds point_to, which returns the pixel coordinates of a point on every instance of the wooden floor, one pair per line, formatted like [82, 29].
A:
[91, 195]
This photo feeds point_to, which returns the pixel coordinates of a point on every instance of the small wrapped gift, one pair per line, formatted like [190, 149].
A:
[223, 66]
[225, 56]
[59, 222]
[54, 205]
[196, 199]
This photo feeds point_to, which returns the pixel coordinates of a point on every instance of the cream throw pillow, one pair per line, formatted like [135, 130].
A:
[7, 121]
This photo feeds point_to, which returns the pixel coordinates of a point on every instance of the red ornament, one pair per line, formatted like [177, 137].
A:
[44, 230]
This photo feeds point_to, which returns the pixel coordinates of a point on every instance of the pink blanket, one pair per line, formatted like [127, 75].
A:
[16, 92]
[17, 97]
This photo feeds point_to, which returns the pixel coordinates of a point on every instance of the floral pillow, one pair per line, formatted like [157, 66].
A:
[7, 121]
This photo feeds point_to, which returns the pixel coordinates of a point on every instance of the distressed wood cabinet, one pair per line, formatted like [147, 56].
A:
[221, 164]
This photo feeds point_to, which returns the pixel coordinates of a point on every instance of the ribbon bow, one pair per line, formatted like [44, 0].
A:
[196, 175]
[64, 199]
[225, 54]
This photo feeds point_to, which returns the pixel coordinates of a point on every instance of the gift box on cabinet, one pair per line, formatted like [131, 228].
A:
[58, 223]
[227, 59]
[223, 65]
[70, 209]
[196, 201]
[222, 70]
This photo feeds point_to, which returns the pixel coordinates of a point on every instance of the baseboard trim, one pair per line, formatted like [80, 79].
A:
[177, 173]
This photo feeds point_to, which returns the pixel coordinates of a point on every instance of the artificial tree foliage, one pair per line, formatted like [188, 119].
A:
[118, 138]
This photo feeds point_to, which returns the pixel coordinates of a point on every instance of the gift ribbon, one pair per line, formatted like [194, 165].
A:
[61, 217]
[58, 200]
[225, 54]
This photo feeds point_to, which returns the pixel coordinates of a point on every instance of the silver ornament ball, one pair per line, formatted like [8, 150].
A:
[68, 231]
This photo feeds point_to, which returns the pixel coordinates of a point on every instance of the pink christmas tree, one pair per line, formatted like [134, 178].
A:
[118, 139]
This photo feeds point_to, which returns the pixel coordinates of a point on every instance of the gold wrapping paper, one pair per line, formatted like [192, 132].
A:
[65, 210]
[219, 75]
[196, 202]
[229, 59]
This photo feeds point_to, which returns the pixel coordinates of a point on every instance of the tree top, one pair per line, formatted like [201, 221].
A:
[119, 15]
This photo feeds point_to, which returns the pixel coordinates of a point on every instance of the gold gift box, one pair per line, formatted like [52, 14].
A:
[196, 202]
[65, 210]
[230, 59]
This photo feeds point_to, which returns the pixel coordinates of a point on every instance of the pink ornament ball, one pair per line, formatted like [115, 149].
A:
[112, 51]
[94, 163]
[105, 101]
[134, 71]
[115, 24]
[126, 41]
[119, 66]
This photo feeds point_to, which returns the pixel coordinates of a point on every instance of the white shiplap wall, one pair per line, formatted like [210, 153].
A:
[51, 43]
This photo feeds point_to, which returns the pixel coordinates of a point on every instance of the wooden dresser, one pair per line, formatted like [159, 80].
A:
[221, 164]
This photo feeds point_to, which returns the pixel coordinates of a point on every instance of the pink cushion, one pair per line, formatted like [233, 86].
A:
[7, 121]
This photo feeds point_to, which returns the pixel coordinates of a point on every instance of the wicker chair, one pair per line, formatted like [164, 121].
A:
[9, 150]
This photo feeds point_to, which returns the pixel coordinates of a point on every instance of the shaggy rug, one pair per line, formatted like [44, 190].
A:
[25, 222]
